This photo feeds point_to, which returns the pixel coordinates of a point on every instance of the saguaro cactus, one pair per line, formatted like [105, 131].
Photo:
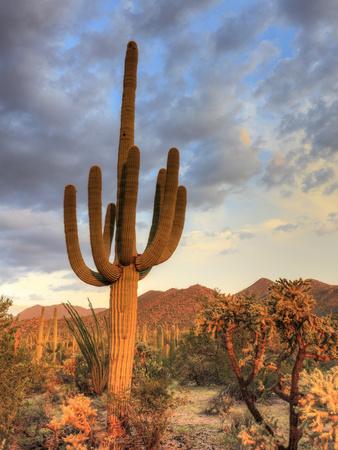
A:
[55, 334]
[40, 337]
[128, 266]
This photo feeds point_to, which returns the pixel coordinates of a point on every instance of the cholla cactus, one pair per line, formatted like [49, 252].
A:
[128, 266]
[235, 317]
[318, 408]
[303, 335]
[79, 415]
[271, 332]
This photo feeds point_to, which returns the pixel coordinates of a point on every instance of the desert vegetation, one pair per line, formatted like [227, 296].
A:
[252, 373]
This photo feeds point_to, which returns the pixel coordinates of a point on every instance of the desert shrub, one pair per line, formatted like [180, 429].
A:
[151, 381]
[141, 425]
[220, 403]
[201, 360]
[232, 426]
[256, 437]
[82, 376]
[318, 408]
[32, 417]
[16, 374]
[142, 420]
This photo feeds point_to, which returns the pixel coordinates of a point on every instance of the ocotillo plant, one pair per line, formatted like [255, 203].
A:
[128, 266]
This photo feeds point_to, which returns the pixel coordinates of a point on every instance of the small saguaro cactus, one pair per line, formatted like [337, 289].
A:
[55, 334]
[40, 337]
[128, 266]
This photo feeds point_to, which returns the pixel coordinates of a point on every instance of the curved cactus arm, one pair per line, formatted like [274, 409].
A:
[72, 242]
[158, 201]
[176, 231]
[177, 228]
[109, 224]
[154, 251]
[125, 228]
[101, 258]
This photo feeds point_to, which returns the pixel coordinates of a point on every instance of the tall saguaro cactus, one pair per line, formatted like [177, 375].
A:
[128, 267]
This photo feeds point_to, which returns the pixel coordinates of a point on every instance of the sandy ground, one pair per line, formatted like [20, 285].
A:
[192, 429]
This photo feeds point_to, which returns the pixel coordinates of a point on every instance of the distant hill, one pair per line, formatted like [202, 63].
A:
[182, 305]
[259, 288]
[326, 295]
[173, 306]
[35, 311]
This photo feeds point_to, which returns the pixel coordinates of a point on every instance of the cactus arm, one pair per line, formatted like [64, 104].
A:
[127, 108]
[125, 228]
[154, 251]
[158, 200]
[109, 225]
[110, 271]
[72, 242]
[177, 228]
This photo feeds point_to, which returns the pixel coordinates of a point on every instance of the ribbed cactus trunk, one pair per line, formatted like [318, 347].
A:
[123, 318]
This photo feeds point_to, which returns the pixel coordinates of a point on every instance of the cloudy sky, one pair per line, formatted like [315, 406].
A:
[247, 90]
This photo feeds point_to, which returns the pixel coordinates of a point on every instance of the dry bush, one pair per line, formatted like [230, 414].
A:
[318, 408]
[75, 426]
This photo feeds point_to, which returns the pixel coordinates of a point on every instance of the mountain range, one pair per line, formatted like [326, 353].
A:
[182, 305]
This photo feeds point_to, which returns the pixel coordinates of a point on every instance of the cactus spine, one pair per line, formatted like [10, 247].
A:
[40, 339]
[128, 266]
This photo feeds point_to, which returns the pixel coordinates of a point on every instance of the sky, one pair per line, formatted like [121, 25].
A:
[247, 90]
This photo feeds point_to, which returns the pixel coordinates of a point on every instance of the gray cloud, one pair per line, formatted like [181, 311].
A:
[254, 20]
[155, 17]
[331, 188]
[302, 92]
[317, 178]
[287, 228]
[245, 235]
[60, 81]
[31, 241]
[309, 12]
[328, 226]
